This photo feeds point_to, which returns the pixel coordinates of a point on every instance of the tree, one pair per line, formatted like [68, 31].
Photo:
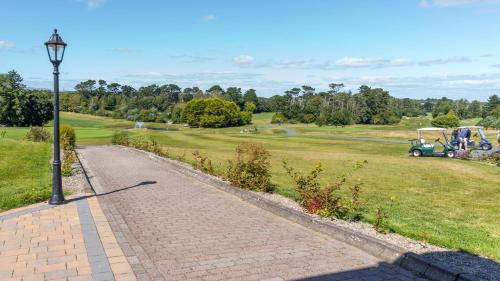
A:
[172, 92]
[86, 88]
[474, 109]
[249, 107]
[490, 105]
[213, 113]
[251, 96]
[22, 107]
[114, 88]
[216, 91]
[234, 94]
[449, 120]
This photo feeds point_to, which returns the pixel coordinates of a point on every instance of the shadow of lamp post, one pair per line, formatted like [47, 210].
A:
[55, 49]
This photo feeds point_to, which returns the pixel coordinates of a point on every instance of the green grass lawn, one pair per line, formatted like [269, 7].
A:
[447, 202]
[24, 171]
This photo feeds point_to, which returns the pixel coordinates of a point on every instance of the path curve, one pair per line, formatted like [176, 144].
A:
[177, 228]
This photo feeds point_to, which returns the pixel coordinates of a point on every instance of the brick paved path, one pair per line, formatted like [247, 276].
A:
[187, 230]
[70, 242]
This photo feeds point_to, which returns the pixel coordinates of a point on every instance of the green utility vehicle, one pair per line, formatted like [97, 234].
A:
[438, 148]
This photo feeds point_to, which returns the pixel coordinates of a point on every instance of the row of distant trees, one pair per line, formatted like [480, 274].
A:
[163, 103]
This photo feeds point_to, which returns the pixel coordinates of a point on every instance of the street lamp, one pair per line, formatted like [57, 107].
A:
[55, 50]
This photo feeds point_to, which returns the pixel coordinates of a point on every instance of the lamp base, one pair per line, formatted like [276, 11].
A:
[56, 200]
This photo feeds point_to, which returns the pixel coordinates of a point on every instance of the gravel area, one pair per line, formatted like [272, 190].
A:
[482, 267]
[76, 183]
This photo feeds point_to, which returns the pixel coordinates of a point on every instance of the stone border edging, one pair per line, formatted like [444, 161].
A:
[381, 249]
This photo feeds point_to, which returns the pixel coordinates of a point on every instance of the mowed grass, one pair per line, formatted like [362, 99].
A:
[446, 202]
[24, 170]
[450, 203]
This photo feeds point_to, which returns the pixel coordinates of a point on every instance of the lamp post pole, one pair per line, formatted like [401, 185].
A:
[57, 193]
[55, 49]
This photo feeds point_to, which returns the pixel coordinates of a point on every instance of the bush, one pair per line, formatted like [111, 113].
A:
[69, 158]
[251, 168]
[308, 118]
[120, 138]
[38, 134]
[278, 118]
[68, 137]
[490, 122]
[326, 201]
[212, 113]
[202, 163]
[246, 117]
[449, 120]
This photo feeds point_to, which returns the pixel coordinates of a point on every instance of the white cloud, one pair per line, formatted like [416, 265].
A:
[453, 86]
[453, 3]
[444, 61]
[126, 50]
[244, 59]
[372, 62]
[7, 45]
[209, 18]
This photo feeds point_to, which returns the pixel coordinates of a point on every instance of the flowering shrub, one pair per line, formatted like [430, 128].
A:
[327, 201]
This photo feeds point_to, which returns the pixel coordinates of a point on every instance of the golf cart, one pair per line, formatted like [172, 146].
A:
[475, 131]
[420, 147]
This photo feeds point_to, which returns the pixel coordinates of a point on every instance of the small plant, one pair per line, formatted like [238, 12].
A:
[69, 158]
[68, 137]
[38, 134]
[327, 201]
[251, 168]
[380, 216]
[3, 133]
[202, 163]
[494, 158]
[120, 138]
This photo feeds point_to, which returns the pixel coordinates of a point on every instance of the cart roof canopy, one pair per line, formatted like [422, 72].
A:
[471, 127]
[432, 129]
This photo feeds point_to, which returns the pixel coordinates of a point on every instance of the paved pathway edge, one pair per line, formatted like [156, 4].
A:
[381, 249]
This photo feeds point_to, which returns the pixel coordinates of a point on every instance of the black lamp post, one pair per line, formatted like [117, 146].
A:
[55, 50]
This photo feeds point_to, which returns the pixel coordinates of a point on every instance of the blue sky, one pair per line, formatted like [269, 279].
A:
[413, 48]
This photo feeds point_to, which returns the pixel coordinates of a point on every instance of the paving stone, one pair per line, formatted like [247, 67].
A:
[169, 220]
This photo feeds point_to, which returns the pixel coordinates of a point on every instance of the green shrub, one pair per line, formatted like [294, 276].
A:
[250, 107]
[449, 120]
[251, 168]
[212, 113]
[120, 138]
[69, 158]
[202, 163]
[68, 137]
[3, 133]
[490, 122]
[278, 118]
[38, 134]
[327, 201]
[308, 118]
[246, 117]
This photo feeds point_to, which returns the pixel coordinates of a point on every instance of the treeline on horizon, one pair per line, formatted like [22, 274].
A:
[164, 103]
[20, 106]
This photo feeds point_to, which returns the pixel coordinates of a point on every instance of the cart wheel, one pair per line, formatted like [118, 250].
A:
[416, 153]
[486, 146]
[450, 154]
